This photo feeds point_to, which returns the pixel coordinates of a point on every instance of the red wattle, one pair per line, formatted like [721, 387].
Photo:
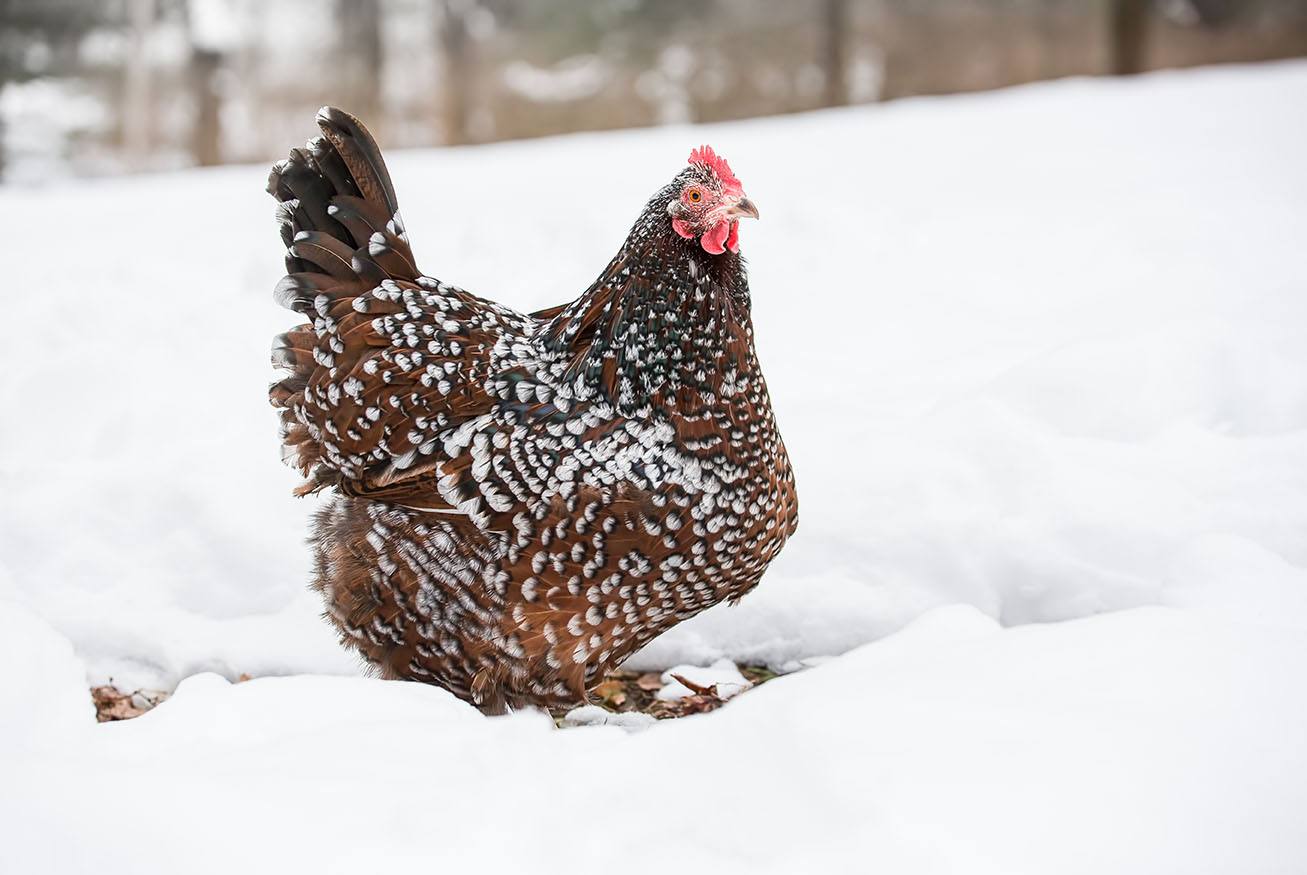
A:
[733, 241]
[680, 227]
[714, 239]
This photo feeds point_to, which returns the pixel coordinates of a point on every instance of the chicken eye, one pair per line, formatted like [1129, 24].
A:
[694, 195]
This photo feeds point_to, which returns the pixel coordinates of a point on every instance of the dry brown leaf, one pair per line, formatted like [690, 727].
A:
[113, 704]
[612, 691]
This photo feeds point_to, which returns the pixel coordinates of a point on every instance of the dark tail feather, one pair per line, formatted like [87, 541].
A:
[337, 188]
[339, 219]
[360, 153]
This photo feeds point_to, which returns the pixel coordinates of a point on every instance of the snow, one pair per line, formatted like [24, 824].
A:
[574, 79]
[40, 115]
[1141, 741]
[1038, 355]
[214, 25]
[43, 684]
[594, 715]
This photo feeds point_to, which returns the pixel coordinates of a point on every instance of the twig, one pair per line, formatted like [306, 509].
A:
[697, 688]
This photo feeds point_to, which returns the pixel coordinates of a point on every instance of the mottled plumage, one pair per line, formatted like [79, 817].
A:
[523, 499]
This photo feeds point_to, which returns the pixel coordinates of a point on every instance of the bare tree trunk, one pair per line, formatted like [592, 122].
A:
[206, 132]
[1128, 36]
[136, 133]
[1046, 35]
[456, 71]
[362, 52]
[834, 23]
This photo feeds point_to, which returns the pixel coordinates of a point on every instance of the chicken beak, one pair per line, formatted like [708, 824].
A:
[743, 207]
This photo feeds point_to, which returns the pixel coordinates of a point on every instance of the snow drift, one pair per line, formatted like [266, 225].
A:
[1143, 741]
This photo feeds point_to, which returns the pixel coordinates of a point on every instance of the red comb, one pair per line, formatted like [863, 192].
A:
[706, 157]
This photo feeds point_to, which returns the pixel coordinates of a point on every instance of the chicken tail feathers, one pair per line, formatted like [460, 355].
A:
[337, 191]
[339, 219]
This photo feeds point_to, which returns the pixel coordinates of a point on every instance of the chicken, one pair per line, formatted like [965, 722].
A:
[520, 501]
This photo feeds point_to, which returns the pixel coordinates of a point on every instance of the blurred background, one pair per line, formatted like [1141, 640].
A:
[92, 87]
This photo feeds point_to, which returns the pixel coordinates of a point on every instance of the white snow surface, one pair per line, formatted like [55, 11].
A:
[1038, 355]
[1144, 741]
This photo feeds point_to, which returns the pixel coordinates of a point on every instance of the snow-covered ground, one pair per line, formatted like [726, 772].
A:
[1147, 741]
[1038, 355]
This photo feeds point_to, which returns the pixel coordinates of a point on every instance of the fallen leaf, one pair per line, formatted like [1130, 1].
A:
[612, 691]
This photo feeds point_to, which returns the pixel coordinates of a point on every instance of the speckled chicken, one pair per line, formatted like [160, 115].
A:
[522, 500]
